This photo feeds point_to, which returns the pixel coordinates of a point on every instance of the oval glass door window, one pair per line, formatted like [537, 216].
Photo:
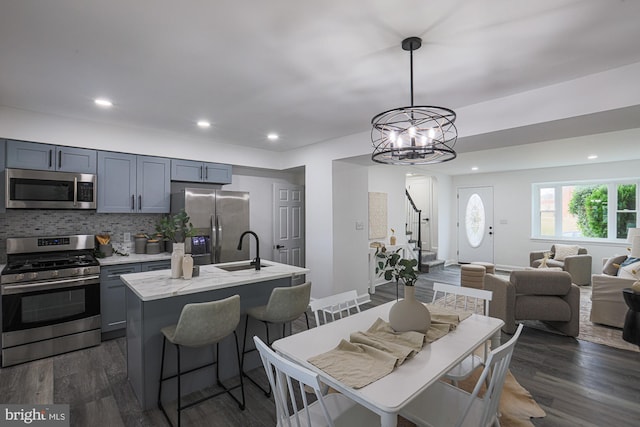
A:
[474, 220]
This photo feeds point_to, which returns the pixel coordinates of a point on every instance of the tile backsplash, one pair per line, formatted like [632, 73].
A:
[32, 223]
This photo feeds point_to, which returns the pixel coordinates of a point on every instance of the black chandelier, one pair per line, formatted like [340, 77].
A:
[414, 135]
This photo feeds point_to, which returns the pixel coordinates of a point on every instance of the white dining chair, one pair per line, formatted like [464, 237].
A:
[340, 304]
[288, 380]
[468, 299]
[443, 405]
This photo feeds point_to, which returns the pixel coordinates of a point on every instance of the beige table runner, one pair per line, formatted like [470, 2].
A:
[374, 353]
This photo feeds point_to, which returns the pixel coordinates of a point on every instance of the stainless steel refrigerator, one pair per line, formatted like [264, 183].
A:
[219, 218]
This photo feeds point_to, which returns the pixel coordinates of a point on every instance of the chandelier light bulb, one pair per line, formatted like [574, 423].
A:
[392, 136]
[423, 140]
[399, 141]
[432, 133]
[412, 131]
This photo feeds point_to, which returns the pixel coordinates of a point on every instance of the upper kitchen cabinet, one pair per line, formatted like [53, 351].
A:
[192, 171]
[33, 155]
[133, 184]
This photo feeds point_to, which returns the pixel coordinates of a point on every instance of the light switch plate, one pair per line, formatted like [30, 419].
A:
[126, 238]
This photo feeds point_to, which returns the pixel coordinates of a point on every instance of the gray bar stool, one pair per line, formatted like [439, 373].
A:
[285, 305]
[200, 325]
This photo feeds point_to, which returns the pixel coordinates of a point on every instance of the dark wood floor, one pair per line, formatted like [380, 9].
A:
[576, 382]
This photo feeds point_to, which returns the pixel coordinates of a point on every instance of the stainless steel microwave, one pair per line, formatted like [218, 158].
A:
[33, 189]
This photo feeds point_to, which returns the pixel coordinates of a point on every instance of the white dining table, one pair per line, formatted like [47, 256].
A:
[388, 395]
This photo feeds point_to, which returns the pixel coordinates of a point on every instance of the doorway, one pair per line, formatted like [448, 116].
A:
[475, 224]
[288, 224]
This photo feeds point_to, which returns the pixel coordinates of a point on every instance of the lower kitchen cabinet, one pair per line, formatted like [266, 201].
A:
[155, 265]
[112, 296]
[112, 293]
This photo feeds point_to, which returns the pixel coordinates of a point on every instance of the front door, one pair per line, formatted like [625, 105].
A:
[475, 224]
[288, 224]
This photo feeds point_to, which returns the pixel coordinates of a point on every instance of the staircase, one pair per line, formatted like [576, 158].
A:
[413, 228]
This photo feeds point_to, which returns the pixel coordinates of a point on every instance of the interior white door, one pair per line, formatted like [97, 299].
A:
[475, 224]
[288, 224]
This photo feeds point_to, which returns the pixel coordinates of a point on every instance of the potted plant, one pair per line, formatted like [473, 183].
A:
[165, 230]
[393, 267]
[182, 227]
[408, 314]
[177, 230]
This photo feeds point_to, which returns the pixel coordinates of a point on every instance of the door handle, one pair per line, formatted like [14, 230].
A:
[280, 246]
[50, 154]
[59, 159]
[133, 202]
[200, 172]
[140, 202]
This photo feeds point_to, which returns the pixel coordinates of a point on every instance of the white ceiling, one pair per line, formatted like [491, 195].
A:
[311, 71]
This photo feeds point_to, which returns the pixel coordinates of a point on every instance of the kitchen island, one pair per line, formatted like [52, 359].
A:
[154, 301]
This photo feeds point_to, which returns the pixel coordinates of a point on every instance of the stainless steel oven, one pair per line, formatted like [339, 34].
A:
[33, 189]
[50, 299]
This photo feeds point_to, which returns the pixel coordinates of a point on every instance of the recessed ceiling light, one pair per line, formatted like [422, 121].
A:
[593, 156]
[474, 168]
[103, 102]
[204, 124]
[272, 136]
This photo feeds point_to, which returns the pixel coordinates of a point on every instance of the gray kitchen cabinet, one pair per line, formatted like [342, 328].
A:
[156, 265]
[193, 171]
[33, 155]
[112, 296]
[133, 184]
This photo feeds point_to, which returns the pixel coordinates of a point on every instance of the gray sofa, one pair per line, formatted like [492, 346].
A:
[538, 294]
[578, 266]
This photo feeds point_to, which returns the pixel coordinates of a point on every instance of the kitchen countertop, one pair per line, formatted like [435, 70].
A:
[155, 285]
[116, 259]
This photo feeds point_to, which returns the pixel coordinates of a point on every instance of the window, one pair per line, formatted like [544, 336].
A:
[590, 210]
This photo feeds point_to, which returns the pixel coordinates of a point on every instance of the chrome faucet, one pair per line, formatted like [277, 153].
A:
[256, 261]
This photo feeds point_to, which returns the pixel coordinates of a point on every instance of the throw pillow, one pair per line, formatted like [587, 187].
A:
[630, 271]
[613, 264]
[563, 251]
[629, 260]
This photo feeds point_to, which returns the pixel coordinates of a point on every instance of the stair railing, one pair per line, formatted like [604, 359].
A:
[413, 227]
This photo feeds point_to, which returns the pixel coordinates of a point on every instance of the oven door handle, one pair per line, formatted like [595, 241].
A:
[54, 284]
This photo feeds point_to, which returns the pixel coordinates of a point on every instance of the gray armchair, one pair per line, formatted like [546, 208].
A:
[541, 294]
[607, 303]
[578, 266]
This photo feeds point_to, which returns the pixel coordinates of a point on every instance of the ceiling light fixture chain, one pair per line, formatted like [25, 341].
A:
[414, 135]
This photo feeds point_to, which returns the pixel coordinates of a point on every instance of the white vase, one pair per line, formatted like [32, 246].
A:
[187, 266]
[409, 314]
[176, 260]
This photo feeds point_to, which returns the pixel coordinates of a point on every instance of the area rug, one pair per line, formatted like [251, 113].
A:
[596, 333]
[517, 407]
[591, 332]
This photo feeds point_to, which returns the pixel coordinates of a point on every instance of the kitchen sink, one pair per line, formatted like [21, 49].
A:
[240, 267]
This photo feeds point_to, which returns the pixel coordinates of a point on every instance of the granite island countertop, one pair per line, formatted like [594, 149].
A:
[155, 285]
